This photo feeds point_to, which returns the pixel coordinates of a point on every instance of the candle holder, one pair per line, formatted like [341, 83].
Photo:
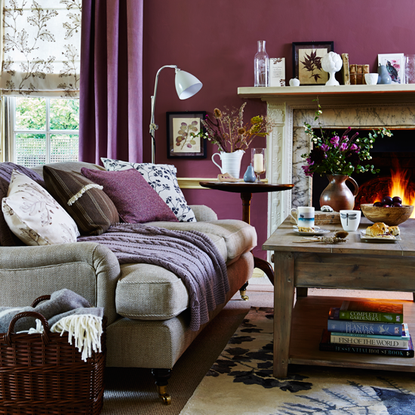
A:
[258, 161]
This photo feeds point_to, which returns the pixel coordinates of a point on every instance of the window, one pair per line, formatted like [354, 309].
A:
[42, 130]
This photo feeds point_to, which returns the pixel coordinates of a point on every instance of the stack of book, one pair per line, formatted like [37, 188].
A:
[368, 327]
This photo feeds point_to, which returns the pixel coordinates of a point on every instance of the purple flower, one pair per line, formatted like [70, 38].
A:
[343, 147]
[325, 147]
[307, 171]
[354, 147]
[335, 141]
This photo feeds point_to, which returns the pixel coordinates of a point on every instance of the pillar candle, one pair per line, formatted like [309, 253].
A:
[258, 163]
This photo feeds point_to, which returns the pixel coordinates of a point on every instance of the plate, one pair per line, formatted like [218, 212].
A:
[317, 231]
[368, 238]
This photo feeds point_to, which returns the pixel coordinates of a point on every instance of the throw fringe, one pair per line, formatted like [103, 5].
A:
[85, 329]
[78, 195]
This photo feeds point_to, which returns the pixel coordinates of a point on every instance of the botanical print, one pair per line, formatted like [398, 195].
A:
[184, 140]
[310, 71]
[41, 45]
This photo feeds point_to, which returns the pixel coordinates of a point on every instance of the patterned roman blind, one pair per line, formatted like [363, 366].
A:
[41, 47]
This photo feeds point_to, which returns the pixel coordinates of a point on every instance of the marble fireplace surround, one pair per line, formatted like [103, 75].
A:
[357, 106]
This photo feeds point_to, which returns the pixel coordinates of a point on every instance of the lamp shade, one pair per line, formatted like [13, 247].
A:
[187, 85]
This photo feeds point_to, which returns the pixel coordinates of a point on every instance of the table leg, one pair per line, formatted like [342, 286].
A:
[283, 307]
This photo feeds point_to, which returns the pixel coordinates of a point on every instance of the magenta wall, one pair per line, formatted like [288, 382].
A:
[216, 41]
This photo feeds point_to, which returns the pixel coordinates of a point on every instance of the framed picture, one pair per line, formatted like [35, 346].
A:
[307, 62]
[181, 142]
[395, 64]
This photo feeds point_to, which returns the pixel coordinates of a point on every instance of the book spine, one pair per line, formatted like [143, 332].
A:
[366, 341]
[353, 73]
[346, 71]
[370, 336]
[332, 347]
[370, 316]
[365, 327]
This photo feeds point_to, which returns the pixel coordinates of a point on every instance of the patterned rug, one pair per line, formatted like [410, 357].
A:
[241, 382]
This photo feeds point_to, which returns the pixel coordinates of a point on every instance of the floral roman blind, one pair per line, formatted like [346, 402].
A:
[41, 47]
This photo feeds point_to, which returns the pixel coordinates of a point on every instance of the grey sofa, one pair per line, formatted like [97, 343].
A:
[146, 306]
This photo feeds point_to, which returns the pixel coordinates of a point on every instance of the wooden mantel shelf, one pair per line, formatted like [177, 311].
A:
[342, 94]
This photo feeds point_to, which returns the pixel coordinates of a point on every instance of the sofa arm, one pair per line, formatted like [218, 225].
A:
[87, 268]
[204, 213]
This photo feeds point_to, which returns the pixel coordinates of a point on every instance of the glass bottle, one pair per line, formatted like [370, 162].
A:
[261, 65]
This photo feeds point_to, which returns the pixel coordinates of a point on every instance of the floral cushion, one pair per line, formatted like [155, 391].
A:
[162, 178]
[85, 201]
[34, 216]
[133, 197]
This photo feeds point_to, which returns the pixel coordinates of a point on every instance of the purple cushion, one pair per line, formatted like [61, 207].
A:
[135, 200]
[6, 170]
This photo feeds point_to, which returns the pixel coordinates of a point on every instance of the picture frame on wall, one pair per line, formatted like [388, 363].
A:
[180, 142]
[395, 64]
[307, 61]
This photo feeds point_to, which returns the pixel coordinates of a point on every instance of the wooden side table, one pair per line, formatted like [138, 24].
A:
[246, 190]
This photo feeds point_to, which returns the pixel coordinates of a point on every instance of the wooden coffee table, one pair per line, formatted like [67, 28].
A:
[355, 265]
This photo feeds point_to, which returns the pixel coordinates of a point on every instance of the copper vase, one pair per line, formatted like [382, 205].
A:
[337, 194]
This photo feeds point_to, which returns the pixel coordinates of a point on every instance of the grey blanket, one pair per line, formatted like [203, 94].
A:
[191, 255]
[61, 304]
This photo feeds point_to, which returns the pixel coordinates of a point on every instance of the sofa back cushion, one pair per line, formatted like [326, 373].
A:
[162, 178]
[133, 197]
[85, 201]
[34, 216]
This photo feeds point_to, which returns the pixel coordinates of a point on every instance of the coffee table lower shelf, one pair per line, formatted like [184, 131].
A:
[309, 319]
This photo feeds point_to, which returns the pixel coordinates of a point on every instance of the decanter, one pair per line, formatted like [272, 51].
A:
[261, 65]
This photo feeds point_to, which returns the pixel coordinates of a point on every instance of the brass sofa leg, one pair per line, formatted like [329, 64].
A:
[242, 291]
[161, 377]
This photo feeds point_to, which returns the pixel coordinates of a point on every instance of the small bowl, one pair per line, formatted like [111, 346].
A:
[392, 216]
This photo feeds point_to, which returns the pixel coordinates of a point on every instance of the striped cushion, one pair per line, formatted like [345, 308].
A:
[89, 206]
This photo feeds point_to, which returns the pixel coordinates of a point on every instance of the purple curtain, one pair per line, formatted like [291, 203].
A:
[110, 119]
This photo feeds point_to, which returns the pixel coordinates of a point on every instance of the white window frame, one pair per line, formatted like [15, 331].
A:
[11, 130]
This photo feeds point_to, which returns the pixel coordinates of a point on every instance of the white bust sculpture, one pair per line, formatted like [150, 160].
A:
[331, 63]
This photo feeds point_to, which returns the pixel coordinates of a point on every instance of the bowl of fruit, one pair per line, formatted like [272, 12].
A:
[390, 211]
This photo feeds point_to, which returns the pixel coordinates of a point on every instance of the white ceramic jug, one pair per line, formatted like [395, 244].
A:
[231, 162]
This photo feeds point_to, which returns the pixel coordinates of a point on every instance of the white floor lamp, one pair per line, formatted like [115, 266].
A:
[187, 85]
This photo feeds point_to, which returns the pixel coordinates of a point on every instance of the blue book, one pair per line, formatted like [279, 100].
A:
[361, 327]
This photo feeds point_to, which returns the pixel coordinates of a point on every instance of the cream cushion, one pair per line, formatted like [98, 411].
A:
[34, 216]
[149, 292]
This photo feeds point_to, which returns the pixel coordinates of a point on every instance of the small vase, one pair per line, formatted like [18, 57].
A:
[384, 77]
[337, 195]
[249, 176]
[231, 162]
[261, 65]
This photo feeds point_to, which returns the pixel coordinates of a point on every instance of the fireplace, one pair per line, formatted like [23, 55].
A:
[394, 158]
[358, 106]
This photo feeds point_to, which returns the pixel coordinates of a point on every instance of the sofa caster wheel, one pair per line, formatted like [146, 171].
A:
[164, 396]
[242, 291]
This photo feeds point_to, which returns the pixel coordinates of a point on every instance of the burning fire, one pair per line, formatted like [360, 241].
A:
[400, 186]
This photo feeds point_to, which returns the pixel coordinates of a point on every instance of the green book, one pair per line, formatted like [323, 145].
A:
[371, 310]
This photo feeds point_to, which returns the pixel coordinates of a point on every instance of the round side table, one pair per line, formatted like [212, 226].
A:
[246, 190]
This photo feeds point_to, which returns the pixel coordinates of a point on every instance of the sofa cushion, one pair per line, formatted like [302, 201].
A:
[6, 170]
[162, 178]
[135, 199]
[85, 201]
[34, 216]
[237, 236]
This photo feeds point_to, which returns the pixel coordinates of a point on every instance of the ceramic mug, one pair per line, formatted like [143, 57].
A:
[304, 217]
[350, 219]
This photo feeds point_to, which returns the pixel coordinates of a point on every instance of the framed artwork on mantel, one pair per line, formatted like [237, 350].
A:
[395, 64]
[307, 62]
[181, 128]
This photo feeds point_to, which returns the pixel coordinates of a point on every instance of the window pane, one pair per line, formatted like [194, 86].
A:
[30, 113]
[64, 114]
[63, 147]
[30, 149]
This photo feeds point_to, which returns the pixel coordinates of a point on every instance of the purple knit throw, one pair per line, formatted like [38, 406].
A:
[191, 255]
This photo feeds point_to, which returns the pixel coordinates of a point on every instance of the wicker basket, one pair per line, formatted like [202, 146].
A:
[44, 374]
